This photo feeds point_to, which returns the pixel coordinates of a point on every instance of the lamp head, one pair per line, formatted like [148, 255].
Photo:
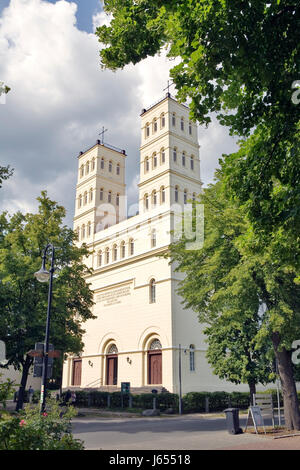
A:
[42, 275]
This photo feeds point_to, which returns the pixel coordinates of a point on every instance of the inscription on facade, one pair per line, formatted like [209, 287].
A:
[113, 296]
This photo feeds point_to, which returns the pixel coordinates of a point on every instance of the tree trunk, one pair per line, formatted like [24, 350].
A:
[289, 391]
[252, 387]
[26, 366]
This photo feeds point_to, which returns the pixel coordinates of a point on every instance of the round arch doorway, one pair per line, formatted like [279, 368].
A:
[112, 365]
[155, 363]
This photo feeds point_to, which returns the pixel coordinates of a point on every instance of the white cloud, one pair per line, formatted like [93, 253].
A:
[60, 99]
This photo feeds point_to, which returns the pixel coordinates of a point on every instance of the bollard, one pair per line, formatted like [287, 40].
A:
[206, 404]
[154, 403]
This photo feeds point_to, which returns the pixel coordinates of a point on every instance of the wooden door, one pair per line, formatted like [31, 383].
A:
[112, 370]
[76, 376]
[155, 367]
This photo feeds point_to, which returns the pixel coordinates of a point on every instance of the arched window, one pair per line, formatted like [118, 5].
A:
[83, 231]
[155, 344]
[154, 160]
[146, 201]
[182, 124]
[77, 231]
[154, 198]
[93, 164]
[118, 169]
[153, 238]
[183, 158]
[107, 255]
[162, 195]
[131, 246]
[190, 128]
[185, 196]
[147, 130]
[173, 119]
[192, 162]
[192, 357]
[102, 164]
[85, 198]
[176, 193]
[152, 291]
[99, 258]
[109, 196]
[87, 168]
[91, 195]
[175, 154]
[112, 349]
[115, 252]
[80, 201]
[101, 194]
[122, 249]
[110, 167]
[162, 120]
[163, 155]
[118, 199]
[147, 164]
[89, 229]
[155, 125]
[81, 171]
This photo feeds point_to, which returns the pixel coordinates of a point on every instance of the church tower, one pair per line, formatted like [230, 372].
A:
[100, 190]
[169, 156]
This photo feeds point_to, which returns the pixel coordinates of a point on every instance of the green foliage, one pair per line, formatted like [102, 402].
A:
[6, 390]
[31, 430]
[5, 173]
[23, 300]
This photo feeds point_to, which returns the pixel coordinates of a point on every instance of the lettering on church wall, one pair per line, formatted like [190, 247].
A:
[113, 296]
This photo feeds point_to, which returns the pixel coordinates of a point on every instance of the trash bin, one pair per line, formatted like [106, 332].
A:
[232, 421]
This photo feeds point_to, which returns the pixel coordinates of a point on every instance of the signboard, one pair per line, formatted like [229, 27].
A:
[125, 387]
[254, 415]
[38, 355]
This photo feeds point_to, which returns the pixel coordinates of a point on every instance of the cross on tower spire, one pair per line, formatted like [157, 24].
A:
[170, 83]
[102, 134]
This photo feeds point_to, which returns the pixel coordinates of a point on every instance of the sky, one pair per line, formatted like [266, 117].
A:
[60, 99]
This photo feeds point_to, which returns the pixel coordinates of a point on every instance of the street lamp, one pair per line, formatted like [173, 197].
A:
[44, 276]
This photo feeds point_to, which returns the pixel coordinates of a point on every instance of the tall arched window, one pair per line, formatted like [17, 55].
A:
[155, 125]
[185, 196]
[89, 229]
[101, 194]
[109, 196]
[176, 193]
[173, 119]
[147, 167]
[162, 195]
[154, 160]
[152, 291]
[91, 195]
[175, 154]
[85, 198]
[107, 255]
[83, 231]
[146, 201]
[183, 158]
[77, 231]
[122, 249]
[118, 169]
[192, 357]
[131, 246]
[80, 201]
[87, 168]
[93, 164]
[192, 162]
[102, 164]
[153, 238]
[115, 252]
[190, 128]
[118, 199]
[147, 130]
[154, 198]
[110, 167]
[99, 258]
[81, 171]
[162, 120]
[163, 155]
[182, 124]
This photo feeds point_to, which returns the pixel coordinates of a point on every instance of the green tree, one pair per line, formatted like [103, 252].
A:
[23, 299]
[240, 60]
[5, 173]
[236, 277]
[232, 351]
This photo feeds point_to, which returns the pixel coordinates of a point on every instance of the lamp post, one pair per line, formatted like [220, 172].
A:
[44, 276]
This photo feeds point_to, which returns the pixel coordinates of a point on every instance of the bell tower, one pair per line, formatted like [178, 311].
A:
[100, 190]
[169, 156]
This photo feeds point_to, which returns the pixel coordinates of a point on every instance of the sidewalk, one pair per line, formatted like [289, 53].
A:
[267, 443]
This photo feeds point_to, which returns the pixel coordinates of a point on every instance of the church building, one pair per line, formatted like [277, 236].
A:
[142, 333]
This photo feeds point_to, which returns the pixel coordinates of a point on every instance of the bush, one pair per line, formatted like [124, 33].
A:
[194, 402]
[32, 431]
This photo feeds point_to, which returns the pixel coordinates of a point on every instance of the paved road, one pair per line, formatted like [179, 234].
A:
[159, 433]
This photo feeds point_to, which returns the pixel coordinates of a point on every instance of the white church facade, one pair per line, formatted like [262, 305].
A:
[141, 334]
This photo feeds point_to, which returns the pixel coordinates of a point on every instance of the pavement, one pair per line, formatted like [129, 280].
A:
[187, 432]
